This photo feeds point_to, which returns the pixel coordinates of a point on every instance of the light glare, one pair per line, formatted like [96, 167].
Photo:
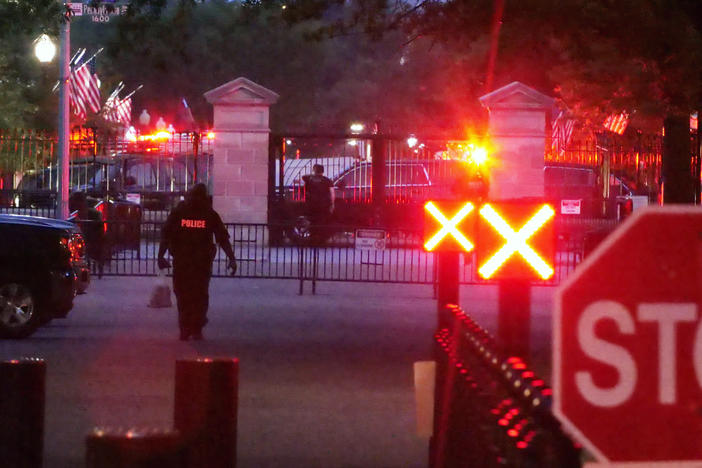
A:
[45, 49]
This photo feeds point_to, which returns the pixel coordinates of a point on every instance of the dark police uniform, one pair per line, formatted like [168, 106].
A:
[188, 234]
[318, 203]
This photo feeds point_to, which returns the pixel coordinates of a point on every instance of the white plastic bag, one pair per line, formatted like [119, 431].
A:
[161, 294]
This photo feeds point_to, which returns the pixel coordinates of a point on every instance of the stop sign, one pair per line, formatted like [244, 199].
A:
[627, 351]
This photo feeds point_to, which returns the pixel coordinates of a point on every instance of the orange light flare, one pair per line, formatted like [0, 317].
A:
[516, 241]
[448, 226]
[476, 150]
[210, 135]
[161, 135]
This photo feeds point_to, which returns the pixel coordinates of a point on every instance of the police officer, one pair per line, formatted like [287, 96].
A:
[187, 234]
[319, 201]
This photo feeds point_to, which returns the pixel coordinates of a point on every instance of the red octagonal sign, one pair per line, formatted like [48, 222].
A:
[627, 354]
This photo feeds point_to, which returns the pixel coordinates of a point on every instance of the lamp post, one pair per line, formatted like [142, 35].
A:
[45, 51]
[63, 122]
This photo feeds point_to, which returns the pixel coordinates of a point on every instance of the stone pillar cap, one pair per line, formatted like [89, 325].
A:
[516, 95]
[241, 91]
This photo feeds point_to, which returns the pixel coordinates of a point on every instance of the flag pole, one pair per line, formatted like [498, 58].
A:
[74, 59]
[132, 93]
[91, 57]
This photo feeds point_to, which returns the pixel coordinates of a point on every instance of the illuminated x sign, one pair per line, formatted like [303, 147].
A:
[448, 236]
[537, 229]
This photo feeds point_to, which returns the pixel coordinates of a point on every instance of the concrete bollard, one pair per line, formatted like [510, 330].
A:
[205, 410]
[22, 399]
[134, 448]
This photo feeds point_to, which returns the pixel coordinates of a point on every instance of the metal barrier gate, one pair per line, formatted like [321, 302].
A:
[131, 249]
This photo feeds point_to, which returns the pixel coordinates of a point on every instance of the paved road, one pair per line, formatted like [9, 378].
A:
[326, 380]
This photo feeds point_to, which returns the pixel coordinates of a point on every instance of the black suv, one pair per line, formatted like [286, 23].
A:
[39, 261]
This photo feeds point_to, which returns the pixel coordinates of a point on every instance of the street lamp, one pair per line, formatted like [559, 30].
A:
[45, 51]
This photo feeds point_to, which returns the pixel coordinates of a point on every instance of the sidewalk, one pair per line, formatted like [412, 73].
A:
[325, 380]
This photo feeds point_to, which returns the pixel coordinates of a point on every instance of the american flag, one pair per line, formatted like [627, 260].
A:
[561, 133]
[124, 111]
[87, 86]
[118, 110]
[617, 123]
[76, 100]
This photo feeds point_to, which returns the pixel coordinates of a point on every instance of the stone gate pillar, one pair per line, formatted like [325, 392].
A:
[518, 133]
[240, 161]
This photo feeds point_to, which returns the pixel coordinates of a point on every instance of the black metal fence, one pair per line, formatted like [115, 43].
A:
[153, 171]
[130, 248]
[491, 410]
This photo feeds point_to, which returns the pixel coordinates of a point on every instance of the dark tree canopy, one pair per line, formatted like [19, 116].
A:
[417, 66]
[597, 56]
[21, 76]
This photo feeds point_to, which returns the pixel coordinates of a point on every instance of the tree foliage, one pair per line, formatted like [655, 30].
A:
[182, 49]
[21, 76]
[599, 56]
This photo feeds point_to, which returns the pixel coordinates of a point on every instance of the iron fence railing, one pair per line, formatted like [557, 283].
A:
[101, 163]
[130, 248]
[491, 410]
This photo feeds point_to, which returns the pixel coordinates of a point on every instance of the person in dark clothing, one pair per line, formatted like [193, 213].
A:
[188, 234]
[319, 201]
[90, 221]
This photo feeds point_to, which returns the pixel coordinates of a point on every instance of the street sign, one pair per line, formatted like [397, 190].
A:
[516, 241]
[627, 346]
[370, 239]
[101, 12]
[76, 8]
[448, 226]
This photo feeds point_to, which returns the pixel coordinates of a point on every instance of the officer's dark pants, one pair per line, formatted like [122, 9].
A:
[191, 284]
[319, 220]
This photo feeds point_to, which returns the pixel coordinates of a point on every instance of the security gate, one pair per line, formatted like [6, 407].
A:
[346, 256]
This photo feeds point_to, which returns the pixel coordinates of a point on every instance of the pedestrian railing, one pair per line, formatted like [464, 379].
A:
[491, 410]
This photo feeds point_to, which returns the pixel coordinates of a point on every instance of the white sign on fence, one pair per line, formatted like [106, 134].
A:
[370, 239]
[571, 206]
[134, 198]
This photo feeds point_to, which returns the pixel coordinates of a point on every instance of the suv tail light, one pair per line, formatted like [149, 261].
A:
[75, 246]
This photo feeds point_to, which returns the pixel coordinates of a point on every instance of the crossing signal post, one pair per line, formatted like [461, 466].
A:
[515, 246]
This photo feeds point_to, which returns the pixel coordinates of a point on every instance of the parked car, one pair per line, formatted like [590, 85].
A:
[42, 266]
[157, 180]
[408, 184]
[578, 191]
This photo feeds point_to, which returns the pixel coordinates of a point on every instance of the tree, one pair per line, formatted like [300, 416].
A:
[22, 80]
[183, 49]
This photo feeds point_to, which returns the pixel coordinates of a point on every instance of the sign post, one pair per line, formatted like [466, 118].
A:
[627, 346]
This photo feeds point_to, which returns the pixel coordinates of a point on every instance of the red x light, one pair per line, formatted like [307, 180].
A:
[442, 233]
[507, 252]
